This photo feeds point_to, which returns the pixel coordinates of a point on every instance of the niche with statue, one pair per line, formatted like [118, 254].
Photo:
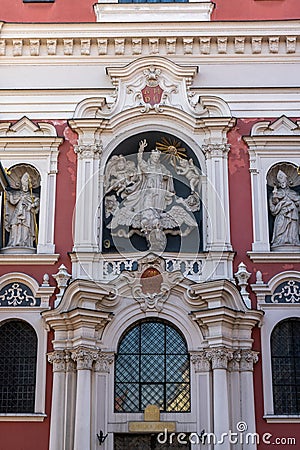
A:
[152, 196]
[283, 181]
[20, 210]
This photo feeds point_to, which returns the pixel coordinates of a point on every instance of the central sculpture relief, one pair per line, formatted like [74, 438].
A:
[141, 197]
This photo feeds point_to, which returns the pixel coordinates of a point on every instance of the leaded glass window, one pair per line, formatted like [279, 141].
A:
[152, 367]
[18, 349]
[285, 348]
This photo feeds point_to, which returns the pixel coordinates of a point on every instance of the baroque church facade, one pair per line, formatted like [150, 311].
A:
[150, 249]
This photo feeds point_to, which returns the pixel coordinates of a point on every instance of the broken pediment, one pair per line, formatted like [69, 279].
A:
[25, 127]
[281, 127]
[153, 84]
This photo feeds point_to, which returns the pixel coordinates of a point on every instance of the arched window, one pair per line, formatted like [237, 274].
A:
[285, 349]
[18, 349]
[152, 367]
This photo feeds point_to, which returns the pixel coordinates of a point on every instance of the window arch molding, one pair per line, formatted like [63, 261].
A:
[274, 313]
[158, 352]
[128, 315]
[32, 316]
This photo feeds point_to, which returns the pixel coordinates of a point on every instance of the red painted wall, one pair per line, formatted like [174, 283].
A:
[82, 11]
[241, 237]
[35, 435]
[256, 9]
[59, 11]
[241, 203]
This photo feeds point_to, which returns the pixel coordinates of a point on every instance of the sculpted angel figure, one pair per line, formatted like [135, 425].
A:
[119, 174]
[20, 218]
[188, 169]
[284, 204]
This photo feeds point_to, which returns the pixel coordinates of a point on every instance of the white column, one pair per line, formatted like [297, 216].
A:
[203, 374]
[260, 215]
[219, 362]
[57, 358]
[82, 435]
[87, 197]
[235, 391]
[248, 359]
[70, 402]
[218, 196]
[100, 399]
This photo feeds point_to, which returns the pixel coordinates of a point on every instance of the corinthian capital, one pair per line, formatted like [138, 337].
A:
[220, 357]
[103, 361]
[234, 363]
[87, 151]
[213, 150]
[84, 358]
[57, 359]
[201, 361]
[248, 359]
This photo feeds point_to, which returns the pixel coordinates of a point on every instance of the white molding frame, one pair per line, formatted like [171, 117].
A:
[94, 316]
[37, 145]
[102, 124]
[32, 316]
[112, 11]
[22, 417]
[269, 144]
[274, 313]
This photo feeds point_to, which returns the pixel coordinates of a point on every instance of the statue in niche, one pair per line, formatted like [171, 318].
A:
[21, 209]
[284, 204]
[147, 202]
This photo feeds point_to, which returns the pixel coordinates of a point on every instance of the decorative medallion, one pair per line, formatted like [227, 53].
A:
[18, 294]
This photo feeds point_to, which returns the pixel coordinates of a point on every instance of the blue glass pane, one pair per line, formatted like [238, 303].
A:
[152, 337]
[131, 342]
[152, 368]
[127, 368]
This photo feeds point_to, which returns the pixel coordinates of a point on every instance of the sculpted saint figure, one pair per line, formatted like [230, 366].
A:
[155, 189]
[284, 204]
[20, 219]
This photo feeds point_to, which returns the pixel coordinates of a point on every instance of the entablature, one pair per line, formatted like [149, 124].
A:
[220, 41]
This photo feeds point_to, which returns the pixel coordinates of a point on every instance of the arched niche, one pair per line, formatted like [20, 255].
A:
[283, 190]
[152, 201]
[20, 212]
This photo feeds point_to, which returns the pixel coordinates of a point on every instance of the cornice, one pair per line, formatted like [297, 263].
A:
[213, 41]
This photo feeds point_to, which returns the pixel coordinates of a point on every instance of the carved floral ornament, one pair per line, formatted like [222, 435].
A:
[150, 285]
[286, 292]
[153, 84]
[224, 358]
[80, 358]
[18, 294]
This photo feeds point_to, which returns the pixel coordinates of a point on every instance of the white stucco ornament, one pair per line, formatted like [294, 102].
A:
[243, 276]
